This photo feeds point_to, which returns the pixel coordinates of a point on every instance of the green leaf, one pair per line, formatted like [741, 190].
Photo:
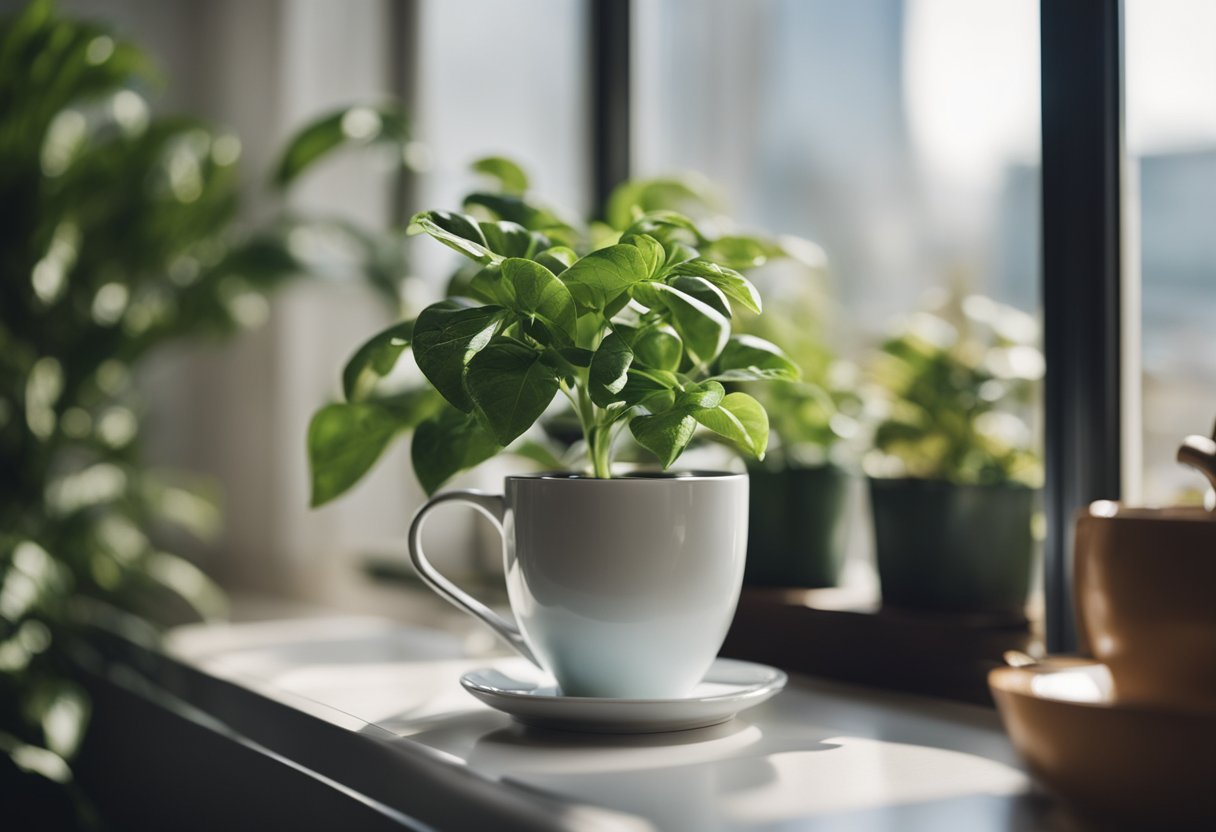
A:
[707, 394]
[659, 347]
[534, 292]
[740, 251]
[375, 359]
[446, 337]
[447, 444]
[652, 251]
[647, 294]
[749, 357]
[518, 209]
[654, 389]
[510, 239]
[511, 387]
[666, 435]
[667, 227]
[557, 259]
[742, 420]
[730, 282]
[349, 127]
[702, 328]
[590, 329]
[486, 285]
[344, 442]
[603, 275]
[456, 231]
[651, 195]
[510, 176]
[542, 453]
[609, 370]
[678, 253]
[704, 291]
[577, 356]
[750, 374]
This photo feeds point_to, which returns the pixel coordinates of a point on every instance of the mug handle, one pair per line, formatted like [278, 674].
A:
[492, 506]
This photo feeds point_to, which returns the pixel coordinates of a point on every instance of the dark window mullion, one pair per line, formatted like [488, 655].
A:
[403, 38]
[1082, 56]
[609, 30]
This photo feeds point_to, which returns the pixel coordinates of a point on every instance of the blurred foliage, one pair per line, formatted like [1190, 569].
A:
[818, 418]
[335, 246]
[955, 392]
[117, 236]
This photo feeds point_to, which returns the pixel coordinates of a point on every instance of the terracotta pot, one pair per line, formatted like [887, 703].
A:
[942, 546]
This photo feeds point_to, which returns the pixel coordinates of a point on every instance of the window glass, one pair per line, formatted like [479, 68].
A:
[502, 79]
[901, 136]
[1171, 140]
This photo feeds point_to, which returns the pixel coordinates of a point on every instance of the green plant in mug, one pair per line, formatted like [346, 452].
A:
[957, 389]
[812, 415]
[634, 330]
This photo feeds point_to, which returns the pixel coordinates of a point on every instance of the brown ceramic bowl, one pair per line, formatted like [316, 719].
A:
[1145, 583]
[1129, 765]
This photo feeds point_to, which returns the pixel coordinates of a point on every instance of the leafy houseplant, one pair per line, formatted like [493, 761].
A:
[116, 238]
[799, 521]
[119, 237]
[952, 474]
[634, 334]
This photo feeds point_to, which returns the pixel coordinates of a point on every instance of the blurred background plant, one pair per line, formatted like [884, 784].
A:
[334, 245]
[801, 495]
[119, 235]
[817, 420]
[955, 393]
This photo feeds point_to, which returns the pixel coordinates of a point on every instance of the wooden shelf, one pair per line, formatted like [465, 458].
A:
[836, 634]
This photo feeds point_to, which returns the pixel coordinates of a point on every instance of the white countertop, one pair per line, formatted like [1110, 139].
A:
[819, 755]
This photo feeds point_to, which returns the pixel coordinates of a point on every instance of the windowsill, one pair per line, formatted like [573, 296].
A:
[329, 694]
[842, 633]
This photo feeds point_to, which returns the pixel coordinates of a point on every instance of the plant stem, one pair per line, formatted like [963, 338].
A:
[597, 436]
[600, 448]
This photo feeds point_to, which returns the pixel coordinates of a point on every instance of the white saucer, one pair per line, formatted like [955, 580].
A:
[730, 686]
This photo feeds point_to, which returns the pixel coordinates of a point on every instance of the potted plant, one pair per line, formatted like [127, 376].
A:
[122, 237]
[952, 475]
[799, 509]
[801, 489]
[635, 336]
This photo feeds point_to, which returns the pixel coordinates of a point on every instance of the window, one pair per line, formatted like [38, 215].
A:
[1171, 144]
[902, 137]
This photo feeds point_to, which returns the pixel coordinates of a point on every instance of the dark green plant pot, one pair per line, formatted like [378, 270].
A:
[796, 530]
[947, 547]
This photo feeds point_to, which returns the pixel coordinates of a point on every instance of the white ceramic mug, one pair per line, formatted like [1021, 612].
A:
[620, 587]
